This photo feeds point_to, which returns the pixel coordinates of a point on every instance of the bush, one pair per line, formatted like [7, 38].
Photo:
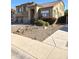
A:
[50, 20]
[62, 19]
[41, 23]
[46, 24]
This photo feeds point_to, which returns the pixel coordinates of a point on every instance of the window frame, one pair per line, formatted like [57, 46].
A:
[45, 13]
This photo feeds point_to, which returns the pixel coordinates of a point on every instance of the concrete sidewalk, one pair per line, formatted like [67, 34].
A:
[38, 49]
[59, 38]
[17, 53]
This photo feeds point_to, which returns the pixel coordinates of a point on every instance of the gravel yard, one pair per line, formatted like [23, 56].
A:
[35, 32]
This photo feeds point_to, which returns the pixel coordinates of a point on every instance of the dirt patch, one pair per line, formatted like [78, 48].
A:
[35, 32]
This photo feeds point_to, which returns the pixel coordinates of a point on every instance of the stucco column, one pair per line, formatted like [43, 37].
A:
[29, 14]
[35, 16]
[36, 12]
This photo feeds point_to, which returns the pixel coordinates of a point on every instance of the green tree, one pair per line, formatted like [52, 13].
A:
[66, 12]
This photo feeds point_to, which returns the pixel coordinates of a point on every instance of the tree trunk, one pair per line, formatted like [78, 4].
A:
[55, 21]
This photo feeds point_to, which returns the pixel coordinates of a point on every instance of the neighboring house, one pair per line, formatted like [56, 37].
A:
[29, 11]
[13, 17]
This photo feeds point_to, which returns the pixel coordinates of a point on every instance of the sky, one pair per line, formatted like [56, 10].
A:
[14, 3]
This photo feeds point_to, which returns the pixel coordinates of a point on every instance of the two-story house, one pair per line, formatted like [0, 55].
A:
[29, 11]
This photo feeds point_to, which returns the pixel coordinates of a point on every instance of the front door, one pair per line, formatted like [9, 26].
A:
[32, 13]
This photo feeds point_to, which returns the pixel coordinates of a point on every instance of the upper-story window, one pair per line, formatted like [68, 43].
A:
[24, 8]
[61, 7]
[45, 13]
[54, 13]
[19, 10]
[57, 9]
[59, 14]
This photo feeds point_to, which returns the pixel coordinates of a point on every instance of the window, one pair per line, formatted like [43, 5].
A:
[58, 14]
[45, 13]
[24, 8]
[57, 9]
[19, 10]
[54, 13]
[61, 7]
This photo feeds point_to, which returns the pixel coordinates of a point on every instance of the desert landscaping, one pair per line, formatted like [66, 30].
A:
[35, 32]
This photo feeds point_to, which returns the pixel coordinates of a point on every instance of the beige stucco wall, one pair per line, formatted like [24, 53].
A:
[36, 12]
[28, 13]
[59, 8]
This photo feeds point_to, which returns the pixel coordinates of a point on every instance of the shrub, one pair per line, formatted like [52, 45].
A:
[49, 20]
[62, 19]
[41, 23]
[46, 24]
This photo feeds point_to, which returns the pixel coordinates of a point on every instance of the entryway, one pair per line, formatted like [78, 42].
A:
[32, 13]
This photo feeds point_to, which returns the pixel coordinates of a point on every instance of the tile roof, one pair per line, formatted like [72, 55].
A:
[51, 4]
